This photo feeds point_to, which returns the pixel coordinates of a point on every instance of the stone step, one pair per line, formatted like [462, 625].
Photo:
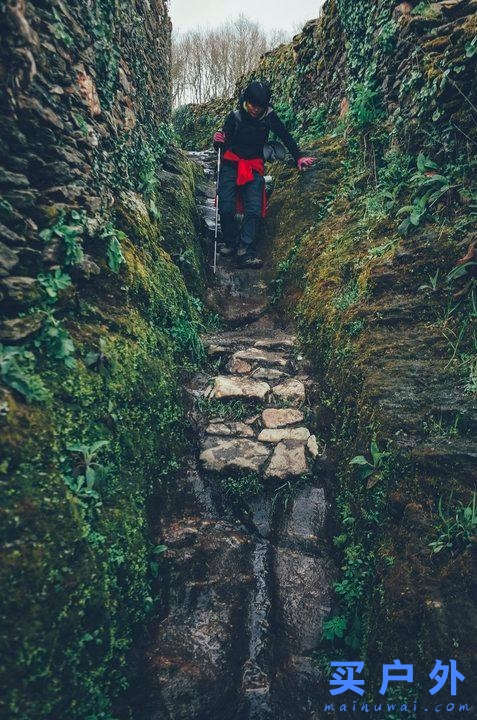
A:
[234, 386]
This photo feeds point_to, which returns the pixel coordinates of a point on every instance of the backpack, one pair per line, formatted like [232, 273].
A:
[272, 151]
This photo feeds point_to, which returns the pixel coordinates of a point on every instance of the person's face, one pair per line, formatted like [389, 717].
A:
[254, 110]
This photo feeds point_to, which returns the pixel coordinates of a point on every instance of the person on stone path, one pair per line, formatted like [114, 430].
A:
[241, 185]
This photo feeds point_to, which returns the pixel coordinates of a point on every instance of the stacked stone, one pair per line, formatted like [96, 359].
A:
[275, 442]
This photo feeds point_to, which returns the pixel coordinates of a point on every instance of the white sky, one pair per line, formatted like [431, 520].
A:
[272, 14]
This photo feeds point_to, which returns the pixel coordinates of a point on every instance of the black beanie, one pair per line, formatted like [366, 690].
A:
[257, 93]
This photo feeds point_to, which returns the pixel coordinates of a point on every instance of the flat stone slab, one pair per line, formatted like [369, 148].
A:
[308, 516]
[260, 356]
[235, 455]
[304, 598]
[232, 387]
[300, 434]
[275, 418]
[276, 343]
[236, 429]
[292, 391]
[288, 460]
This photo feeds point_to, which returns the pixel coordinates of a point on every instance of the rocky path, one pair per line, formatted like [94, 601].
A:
[247, 540]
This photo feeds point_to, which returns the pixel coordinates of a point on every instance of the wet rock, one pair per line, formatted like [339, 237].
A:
[262, 514]
[260, 356]
[300, 434]
[292, 391]
[307, 518]
[230, 387]
[304, 599]
[239, 367]
[237, 454]
[20, 328]
[195, 660]
[288, 460]
[237, 429]
[276, 418]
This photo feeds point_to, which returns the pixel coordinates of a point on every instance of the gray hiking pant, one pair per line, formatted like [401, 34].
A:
[251, 194]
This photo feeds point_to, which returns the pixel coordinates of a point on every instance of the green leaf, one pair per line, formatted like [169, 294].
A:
[375, 453]
[90, 477]
[359, 460]
[159, 549]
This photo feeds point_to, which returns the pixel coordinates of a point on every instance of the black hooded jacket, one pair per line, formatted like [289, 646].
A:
[247, 137]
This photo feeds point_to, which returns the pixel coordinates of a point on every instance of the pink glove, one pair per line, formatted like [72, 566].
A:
[305, 162]
[219, 137]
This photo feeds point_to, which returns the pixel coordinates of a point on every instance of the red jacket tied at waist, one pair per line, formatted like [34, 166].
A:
[245, 174]
[245, 167]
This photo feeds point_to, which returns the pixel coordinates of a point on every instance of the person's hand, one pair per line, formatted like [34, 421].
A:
[305, 162]
[219, 137]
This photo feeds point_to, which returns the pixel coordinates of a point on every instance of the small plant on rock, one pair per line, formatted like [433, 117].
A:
[371, 470]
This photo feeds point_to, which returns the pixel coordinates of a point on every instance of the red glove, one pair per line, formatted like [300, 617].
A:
[219, 137]
[305, 162]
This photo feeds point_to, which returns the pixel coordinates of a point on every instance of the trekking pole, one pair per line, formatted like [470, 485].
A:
[217, 210]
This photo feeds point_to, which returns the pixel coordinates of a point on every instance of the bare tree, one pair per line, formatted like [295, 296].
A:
[206, 62]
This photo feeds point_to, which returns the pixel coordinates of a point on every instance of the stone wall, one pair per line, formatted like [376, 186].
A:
[99, 254]
[85, 89]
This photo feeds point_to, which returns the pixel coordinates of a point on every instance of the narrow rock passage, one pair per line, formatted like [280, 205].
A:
[247, 544]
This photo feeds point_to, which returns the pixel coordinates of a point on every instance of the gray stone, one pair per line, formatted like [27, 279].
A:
[307, 518]
[276, 418]
[292, 391]
[276, 343]
[288, 460]
[230, 387]
[276, 435]
[8, 258]
[20, 328]
[269, 374]
[304, 599]
[21, 289]
[260, 356]
[235, 455]
[237, 429]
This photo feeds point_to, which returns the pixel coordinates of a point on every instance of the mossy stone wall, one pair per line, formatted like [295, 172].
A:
[100, 280]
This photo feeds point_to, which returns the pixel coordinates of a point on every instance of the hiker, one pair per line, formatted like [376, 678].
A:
[242, 140]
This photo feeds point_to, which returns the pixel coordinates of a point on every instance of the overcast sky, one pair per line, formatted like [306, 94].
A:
[280, 14]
